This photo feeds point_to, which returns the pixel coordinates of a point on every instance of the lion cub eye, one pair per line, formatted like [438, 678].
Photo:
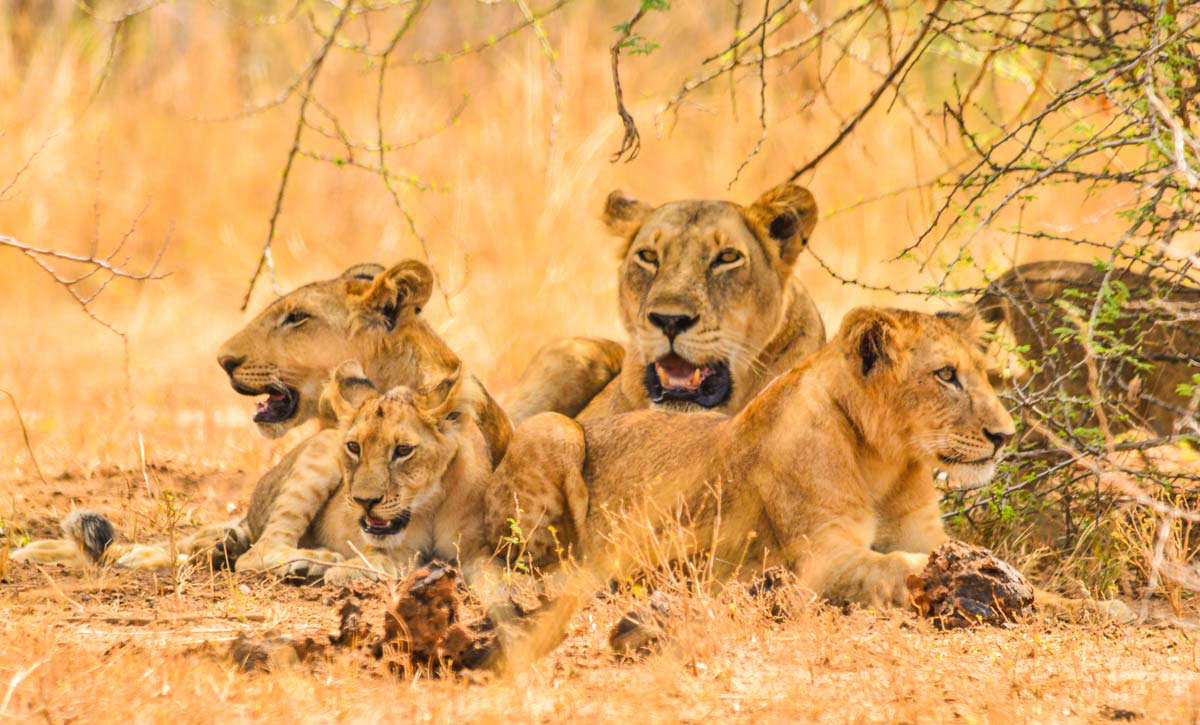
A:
[353, 449]
[727, 257]
[294, 318]
[401, 452]
[648, 256]
[948, 375]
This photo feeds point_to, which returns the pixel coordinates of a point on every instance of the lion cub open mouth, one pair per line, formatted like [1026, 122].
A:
[671, 378]
[373, 526]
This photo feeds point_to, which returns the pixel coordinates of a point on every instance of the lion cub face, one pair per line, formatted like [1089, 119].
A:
[396, 447]
[703, 288]
[288, 350]
[928, 380]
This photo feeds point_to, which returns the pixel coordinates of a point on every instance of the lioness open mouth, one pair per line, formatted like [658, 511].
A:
[280, 405]
[384, 527]
[671, 378]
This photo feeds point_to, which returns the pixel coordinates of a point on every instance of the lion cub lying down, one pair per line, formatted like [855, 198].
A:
[827, 471]
[413, 467]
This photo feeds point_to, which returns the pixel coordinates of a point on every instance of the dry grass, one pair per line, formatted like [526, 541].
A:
[513, 233]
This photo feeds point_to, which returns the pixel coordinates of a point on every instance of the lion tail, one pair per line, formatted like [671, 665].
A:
[90, 531]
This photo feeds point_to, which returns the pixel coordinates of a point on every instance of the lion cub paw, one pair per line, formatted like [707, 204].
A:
[339, 574]
[287, 562]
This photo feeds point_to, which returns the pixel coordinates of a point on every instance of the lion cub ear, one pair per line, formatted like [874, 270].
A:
[396, 294]
[348, 388]
[966, 321]
[870, 335]
[785, 215]
[623, 215]
[449, 401]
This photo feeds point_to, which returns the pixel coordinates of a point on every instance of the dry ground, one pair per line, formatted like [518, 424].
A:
[122, 646]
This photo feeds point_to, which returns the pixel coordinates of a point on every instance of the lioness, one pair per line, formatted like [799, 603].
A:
[827, 471]
[1155, 318]
[412, 470]
[710, 304]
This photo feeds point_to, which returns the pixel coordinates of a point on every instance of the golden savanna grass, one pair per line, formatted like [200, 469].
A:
[510, 223]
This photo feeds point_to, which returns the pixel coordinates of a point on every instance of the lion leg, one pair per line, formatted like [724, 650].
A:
[842, 567]
[312, 481]
[51, 551]
[287, 561]
[537, 502]
[564, 376]
[1076, 609]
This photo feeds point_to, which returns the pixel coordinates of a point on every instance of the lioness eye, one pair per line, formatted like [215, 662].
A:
[947, 375]
[295, 317]
[727, 256]
[400, 452]
[648, 256]
[353, 449]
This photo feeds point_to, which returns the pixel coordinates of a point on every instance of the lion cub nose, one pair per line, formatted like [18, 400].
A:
[998, 439]
[366, 503]
[672, 325]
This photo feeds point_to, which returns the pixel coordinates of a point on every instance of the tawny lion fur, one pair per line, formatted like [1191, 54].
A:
[828, 471]
[369, 314]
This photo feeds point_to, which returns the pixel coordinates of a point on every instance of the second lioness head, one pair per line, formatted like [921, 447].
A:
[703, 287]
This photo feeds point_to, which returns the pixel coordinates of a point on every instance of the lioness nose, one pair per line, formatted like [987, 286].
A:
[998, 439]
[229, 363]
[672, 325]
[366, 503]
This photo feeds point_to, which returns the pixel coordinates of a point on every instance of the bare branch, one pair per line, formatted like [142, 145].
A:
[264, 257]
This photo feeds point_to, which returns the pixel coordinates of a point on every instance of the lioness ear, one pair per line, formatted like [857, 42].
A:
[363, 272]
[871, 336]
[358, 279]
[348, 388]
[397, 293]
[966, 321]
[785, 215]
[623, 215]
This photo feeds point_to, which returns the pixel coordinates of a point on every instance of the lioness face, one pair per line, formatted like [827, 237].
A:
[395, 450]
[289, 349]
[929, 371]
[703, 288]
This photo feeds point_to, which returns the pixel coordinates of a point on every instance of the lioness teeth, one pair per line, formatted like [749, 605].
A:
[663, 377]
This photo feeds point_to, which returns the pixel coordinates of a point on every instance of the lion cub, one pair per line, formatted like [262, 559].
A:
[413, 470]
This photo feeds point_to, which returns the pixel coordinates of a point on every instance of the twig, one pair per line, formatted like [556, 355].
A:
[762, 94]
[631, 142]
[25, 436]
[887, 82]
[314, 71]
